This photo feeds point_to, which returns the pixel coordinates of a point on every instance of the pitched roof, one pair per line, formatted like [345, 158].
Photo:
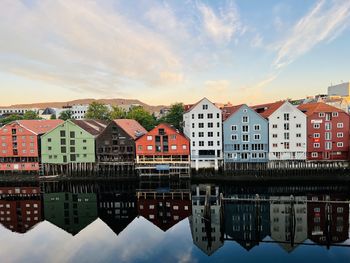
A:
[229, 110]
[94, 127]
[39, 126]
[265, 110]
[189, 107]
[131, 127]
[310, 108]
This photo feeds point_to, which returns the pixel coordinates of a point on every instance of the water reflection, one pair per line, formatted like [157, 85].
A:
[217, 215]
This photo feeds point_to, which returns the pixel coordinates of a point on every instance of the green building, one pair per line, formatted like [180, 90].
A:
[71, 212]
[71, 142]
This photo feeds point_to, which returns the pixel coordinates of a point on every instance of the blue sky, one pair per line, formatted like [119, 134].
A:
[166, 51]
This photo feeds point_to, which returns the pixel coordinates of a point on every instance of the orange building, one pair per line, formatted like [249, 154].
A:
[20, 144]
[163, 151]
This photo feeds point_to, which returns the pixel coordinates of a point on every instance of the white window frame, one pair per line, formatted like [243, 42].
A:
[314, 154]
[317, 145]
[340, 135]
[234, 137]
[317, 135]
[340, 144]
[340, 125]
[257, 137]
[233, 127]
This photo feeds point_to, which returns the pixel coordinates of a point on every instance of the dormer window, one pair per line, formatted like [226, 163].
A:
[205, 106]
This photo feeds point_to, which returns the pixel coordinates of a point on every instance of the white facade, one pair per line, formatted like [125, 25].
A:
[79, 111]
[19, 111]
[287, 133]
[342, 90]
[203, 125]
[288, 223]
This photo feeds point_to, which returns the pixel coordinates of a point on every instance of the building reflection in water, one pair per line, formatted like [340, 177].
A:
[206, 219]
[70, 211]
[20, 208]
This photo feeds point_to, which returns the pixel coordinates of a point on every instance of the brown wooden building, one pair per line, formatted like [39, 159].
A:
[116, 144]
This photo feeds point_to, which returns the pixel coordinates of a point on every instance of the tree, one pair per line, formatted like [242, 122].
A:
[66, 115]
[31, 115]
[175, 116]
[143, 117]
[11, 118]
[117, 113]
[53, 117]
[98, 111]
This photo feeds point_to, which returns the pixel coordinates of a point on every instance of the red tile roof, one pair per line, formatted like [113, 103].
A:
[229, 110]
[39, 126]
[310, 108]
[265, 110]
[131, 127]
[94, 127]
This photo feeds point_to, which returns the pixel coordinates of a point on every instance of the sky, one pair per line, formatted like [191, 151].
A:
[162, 52]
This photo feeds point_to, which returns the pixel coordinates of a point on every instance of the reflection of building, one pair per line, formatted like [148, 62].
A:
[20, 209]
[205, 221]
[288, 220]
[71, 212]
[327, 222]
[117, 210]
[164, 209]
[247, 222]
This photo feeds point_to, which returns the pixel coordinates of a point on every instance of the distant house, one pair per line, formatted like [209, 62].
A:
[203, 125]
[245, 134]
[163, 151]
[287, 130]
[71, 142]
[20, 144]
[116, 143]
[328, 131]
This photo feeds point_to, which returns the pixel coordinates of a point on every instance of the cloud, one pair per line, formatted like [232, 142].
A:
[325, 20]
[256, 41]
[222, 26]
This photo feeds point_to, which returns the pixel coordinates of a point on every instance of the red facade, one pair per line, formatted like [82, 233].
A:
[163, 140]
[328, 130]
[20, 144]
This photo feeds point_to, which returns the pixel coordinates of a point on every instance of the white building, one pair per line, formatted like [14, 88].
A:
[287, 130]
[342, 90]
[17, 111]
[203, 125]
[206, 218]
[288, 222]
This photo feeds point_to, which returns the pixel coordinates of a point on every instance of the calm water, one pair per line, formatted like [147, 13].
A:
[173, 222]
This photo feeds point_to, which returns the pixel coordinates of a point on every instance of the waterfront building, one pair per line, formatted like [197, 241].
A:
[288, 219]
[287, 130]
[70, 212]
[163, 151]
[116, 144]
[20, 144]
[245, 134]
[205, 221]
[203, 125]
[328, 223]
[246, 222]
[20, 208]
[71, 142]
[328, 131]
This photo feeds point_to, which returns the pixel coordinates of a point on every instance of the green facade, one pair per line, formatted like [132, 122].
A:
[71, 212]
[67, 143]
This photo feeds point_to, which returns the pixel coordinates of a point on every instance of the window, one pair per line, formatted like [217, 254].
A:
[245, 119]
[236, 147]
[192, 116]
[205, 106]
[201, 134]
[328, 126]
[274, 145]
[328, 136]
[340, 135]
[149, 138]
[328, 117]
[233, 127]
[210, 143]
[286, 145]
[201, 143]
[192, 125]
[245, 147]
[298, 125]
[286, 126]
[274, 135]
[184, 146]
[200, 116]
[286, 116]
[340, 125]
[201, 125]
[314, 155]
[217, 115]
[193, 143]
[49, 139]
[245, 128]
[316, 135]
[210, 115]
[210, 125]
[316, 145]
[274, 126]
[334, 114]
[340, 144]
[173, 147]
[62, 133]
[298, 135]
[257, 127]
[340, 209]
[245, 138]
[328, 145]
[257, 137]
[321, 114]
[286, 135]
[193, 134]
[210, 134]
[317, 125]
[149, 147]
[72, 134]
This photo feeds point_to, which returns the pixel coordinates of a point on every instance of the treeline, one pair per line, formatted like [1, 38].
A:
[99, 111]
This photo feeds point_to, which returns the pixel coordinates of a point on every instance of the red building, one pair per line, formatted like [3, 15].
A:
[20, 144]
[163, 151]
[328, 131]
[328, 223]
[20, 208]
